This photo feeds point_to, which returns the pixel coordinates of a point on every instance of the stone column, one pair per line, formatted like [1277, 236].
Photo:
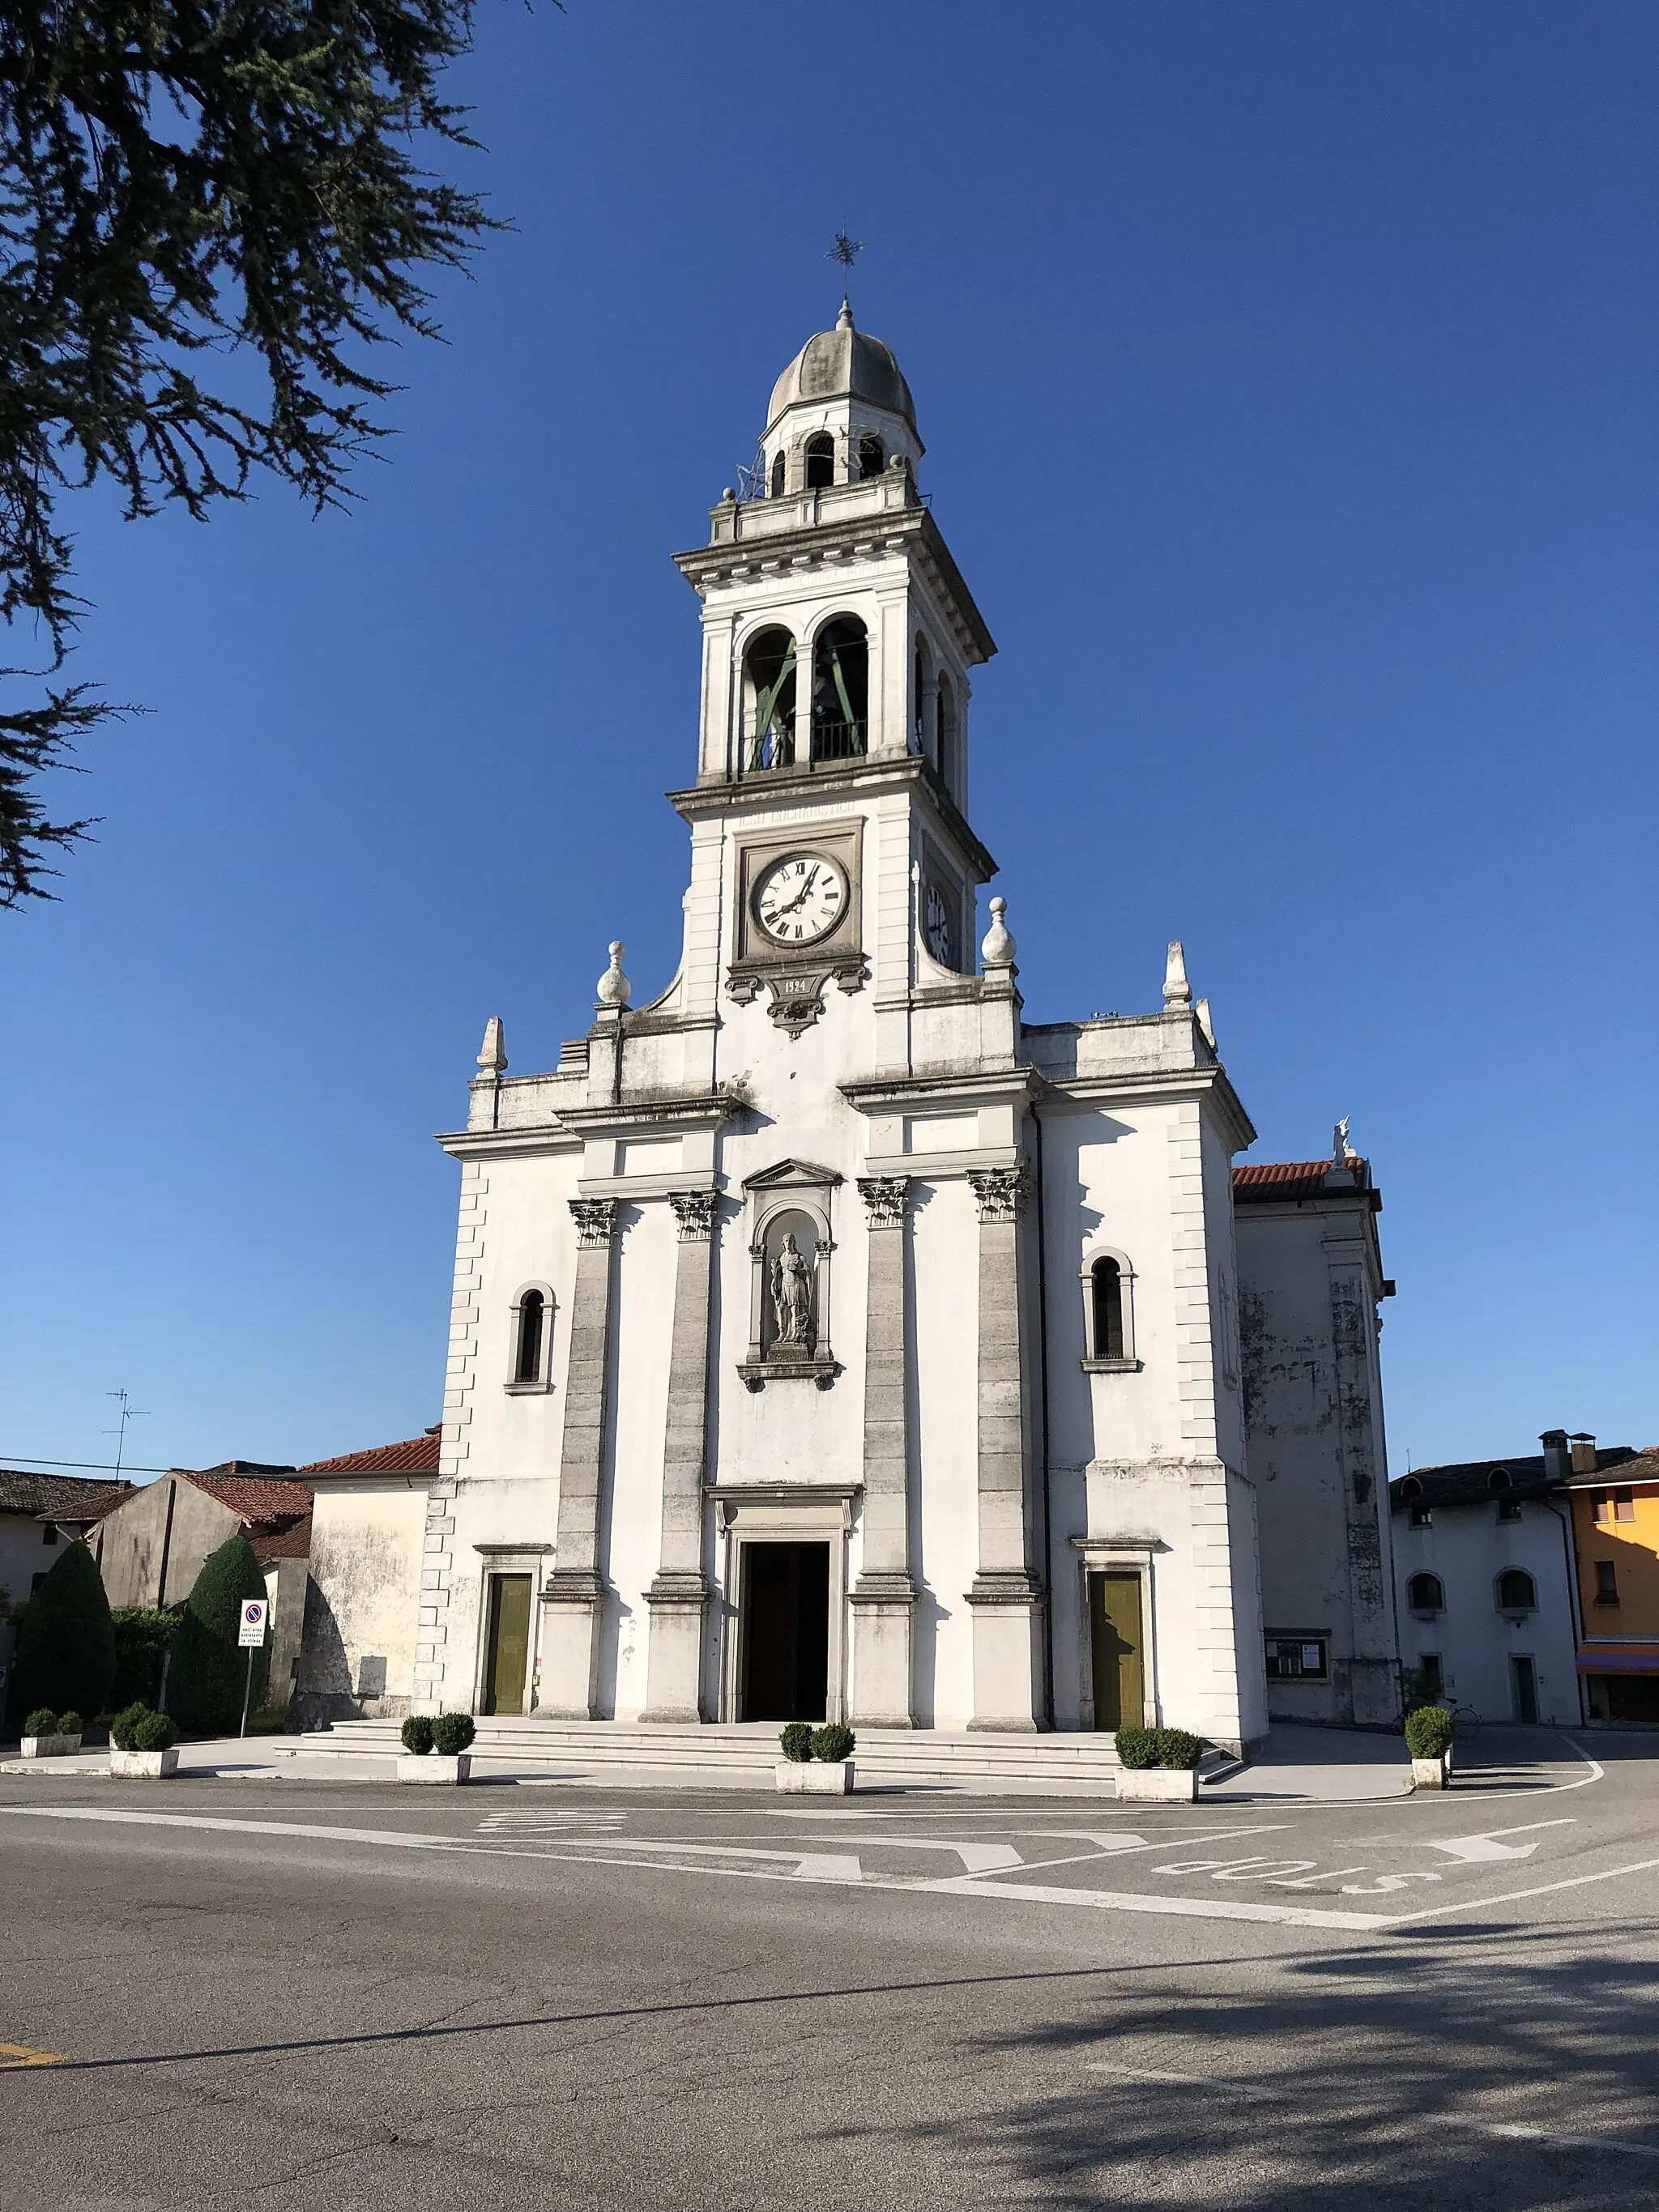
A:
[1007, 1597]
[884, 1597]
[574, 1597]
[679, 1592]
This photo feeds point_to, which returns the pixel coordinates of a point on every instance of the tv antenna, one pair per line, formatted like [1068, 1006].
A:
[129, 1413]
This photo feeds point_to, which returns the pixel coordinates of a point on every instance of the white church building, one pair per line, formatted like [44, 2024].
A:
[827, 1341]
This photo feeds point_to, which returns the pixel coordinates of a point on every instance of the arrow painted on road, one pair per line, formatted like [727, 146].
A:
[1487, 1846]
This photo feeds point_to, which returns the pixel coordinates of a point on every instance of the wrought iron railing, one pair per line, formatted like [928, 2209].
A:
[775, 745]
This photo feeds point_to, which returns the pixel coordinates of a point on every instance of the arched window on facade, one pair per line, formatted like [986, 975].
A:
[779, 470]
[1108, 1311]
[531, 1349]
[1516, 1592]
[1501, 1483]
[871, 458]
[1425, 1594]
[944, 752]
[840, 690]
[820, 461]
[768, 700]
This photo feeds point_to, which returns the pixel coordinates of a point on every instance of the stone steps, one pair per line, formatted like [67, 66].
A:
[1068, 1763]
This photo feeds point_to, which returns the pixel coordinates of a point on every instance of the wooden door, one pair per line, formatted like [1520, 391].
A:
[506, 1661]
[1116, 1641]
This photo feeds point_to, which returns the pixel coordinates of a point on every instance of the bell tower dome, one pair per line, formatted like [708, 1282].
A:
[840, 413]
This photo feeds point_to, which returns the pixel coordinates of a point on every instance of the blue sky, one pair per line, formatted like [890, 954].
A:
[1287, 372]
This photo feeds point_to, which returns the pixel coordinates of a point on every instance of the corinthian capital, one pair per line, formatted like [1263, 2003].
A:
[595, 1219]
[884, 1200]
[694, 1211]
[1000, 1192]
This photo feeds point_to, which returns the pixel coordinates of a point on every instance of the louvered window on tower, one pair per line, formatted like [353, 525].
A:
[820, 462]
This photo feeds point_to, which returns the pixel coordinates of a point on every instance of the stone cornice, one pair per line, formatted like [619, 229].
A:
[885, 1094]
[1152, 1086]
[773, 789]
[911, 531]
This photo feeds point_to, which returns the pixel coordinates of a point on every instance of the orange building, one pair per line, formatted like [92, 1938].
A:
[1616, 1527]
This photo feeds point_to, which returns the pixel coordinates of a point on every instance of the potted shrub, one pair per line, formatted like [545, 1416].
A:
[816, 1762]
[436, 1748]
[1429, 1740]
[1158, 1764]
[143, 1745]
[47, 1735]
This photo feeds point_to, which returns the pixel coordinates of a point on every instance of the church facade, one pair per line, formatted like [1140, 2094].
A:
[827, 1341]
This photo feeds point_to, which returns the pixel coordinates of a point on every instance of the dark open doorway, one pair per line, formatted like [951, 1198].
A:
[785, 1624]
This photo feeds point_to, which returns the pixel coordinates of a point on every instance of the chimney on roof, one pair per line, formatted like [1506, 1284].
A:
[1557, 1461]
[1584, 1452]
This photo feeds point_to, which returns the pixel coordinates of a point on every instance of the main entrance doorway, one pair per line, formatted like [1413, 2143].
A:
[784, 1632]
[1116, 1639]
[506, 1653]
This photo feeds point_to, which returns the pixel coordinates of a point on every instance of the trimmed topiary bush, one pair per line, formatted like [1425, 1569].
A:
[124, 1729]
[66, 1646]
[41, 1722]
[796, 1742]
[206, 1680]
[1176, 1748]
[156, 1732]
[417, 1733]
[833, 1742]
[70, 1724]
[452, 1734]
[1138, 1746]
[142, 1633]
[1429, 1732]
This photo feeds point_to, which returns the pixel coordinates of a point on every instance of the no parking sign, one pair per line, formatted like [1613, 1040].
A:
[254, 1613]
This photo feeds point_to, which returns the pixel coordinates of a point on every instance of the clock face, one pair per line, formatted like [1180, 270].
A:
[800, 899]
[937, 920]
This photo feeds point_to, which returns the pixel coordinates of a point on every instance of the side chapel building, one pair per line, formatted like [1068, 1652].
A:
[827, 1340]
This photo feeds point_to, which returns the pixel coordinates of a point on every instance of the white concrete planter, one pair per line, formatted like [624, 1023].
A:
[49, 1747]
[1161, 1785]
[143, 1765]
[432, 1769]
[1431, 1773]
[814, 1778]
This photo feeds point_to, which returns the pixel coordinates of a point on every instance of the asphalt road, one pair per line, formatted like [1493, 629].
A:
[319, 1995]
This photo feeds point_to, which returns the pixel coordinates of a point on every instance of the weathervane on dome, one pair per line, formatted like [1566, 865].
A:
[846, 250]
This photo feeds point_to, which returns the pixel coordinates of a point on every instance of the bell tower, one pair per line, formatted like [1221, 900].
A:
[838, 636]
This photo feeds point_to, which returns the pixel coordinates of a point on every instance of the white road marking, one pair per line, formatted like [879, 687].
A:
[1384, 1883]
[1515, 2130]
[843, 1868]
[1486, 1846]
[976, 1858]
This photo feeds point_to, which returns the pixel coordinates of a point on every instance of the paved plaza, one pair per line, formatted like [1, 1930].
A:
[316, 1992]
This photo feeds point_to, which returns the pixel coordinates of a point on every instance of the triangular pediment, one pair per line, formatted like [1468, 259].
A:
[792, 1174]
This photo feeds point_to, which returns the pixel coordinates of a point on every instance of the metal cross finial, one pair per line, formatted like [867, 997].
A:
[845, 250]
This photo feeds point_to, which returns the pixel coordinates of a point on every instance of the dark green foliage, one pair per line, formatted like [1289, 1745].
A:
[70, 1724]
[833, 1742]
[1177, 1749]
[123, 1728]
[1138, 1746]
[66, 1647]
[142, 1633]
[269, 1720]
[796, 1741]
[417, 1734]
[452, 1734]
[41, 1722]
[206, 1680]
[1429, 1732]
[178, 183]
[156, 1732]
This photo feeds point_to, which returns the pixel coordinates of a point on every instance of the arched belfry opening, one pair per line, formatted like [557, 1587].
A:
[820, 461]
[768, 700]
[944, 752]
[779, 473]
[840, 690]
[872, 456]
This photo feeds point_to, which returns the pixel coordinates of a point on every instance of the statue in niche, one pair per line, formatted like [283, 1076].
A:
[792, 1297]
